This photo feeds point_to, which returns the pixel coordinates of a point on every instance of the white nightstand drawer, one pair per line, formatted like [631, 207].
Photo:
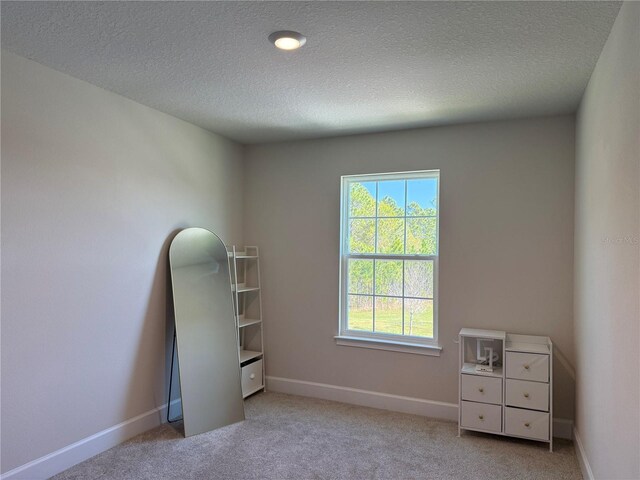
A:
[482, 416]
[478, 388]
[532, 395]
[251, 377]
[528, 366]
[526, 423]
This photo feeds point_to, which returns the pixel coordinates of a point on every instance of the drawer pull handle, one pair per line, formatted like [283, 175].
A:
[526, 395]
[527, 424]
[252, 376]
[526, 367]
[481, 390]
[481, 417]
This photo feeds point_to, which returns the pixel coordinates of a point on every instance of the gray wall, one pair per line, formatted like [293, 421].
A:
[506, 247]
[93, 187]
[607, 258]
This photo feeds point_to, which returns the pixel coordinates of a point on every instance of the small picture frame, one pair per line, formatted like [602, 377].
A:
[484, 355]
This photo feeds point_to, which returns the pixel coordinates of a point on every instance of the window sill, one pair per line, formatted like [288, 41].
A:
[376, 344]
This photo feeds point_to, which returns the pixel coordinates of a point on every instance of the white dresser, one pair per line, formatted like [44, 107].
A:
[513, 396]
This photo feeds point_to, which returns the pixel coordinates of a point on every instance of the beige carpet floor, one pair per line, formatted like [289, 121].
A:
[290, 437]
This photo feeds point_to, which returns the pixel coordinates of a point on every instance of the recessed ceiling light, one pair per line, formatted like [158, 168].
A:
[287, 40]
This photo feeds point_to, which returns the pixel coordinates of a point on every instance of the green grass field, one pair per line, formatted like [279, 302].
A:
[390, 321]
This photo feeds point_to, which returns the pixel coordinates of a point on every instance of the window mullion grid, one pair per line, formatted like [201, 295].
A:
[375, 220]
[405, 249]
[375, 249]
[402, 297]
[405, 221]
[373, 299]
[390, 296]
[373, 256]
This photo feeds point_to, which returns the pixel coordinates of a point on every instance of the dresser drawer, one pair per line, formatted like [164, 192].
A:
[527, 366]
[526, 423]
[251, 377]
[479, 388]
[481, 416]
[525, 394]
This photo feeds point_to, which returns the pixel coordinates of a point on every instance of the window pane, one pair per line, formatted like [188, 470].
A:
[389, 277]
[362, 199]
[360, 314]
[421, 236]
[391, 198]
[418, 318]
[388, 315]
[360, 276]
[422, 197]
[391, 235]
[362, 236]
[418, 278]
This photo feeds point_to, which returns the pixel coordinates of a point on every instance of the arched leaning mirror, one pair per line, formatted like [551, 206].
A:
[207, 343]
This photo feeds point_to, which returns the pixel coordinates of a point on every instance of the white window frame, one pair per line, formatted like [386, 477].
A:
[377, 340]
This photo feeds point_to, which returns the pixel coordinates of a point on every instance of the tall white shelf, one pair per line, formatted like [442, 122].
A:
[247, 302]
[515, 398]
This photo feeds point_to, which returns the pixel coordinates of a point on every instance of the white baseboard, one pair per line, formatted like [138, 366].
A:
[366, 398]
[562, 428]
[587, 473]
[60, 460]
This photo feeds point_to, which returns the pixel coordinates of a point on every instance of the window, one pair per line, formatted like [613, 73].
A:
[389, 260]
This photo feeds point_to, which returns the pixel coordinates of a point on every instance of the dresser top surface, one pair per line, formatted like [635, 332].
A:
[480, 333]
[528, 343]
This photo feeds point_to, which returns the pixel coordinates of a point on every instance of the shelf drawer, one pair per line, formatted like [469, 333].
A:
[482, 389]
[526, 423]
[527, 366]
[481, 416]
[524, 394]
[251, 377]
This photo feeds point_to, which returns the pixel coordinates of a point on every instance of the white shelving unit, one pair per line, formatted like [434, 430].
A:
[247, 301]
[515, 398]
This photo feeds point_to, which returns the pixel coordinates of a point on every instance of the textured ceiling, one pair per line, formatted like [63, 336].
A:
[367, 66]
